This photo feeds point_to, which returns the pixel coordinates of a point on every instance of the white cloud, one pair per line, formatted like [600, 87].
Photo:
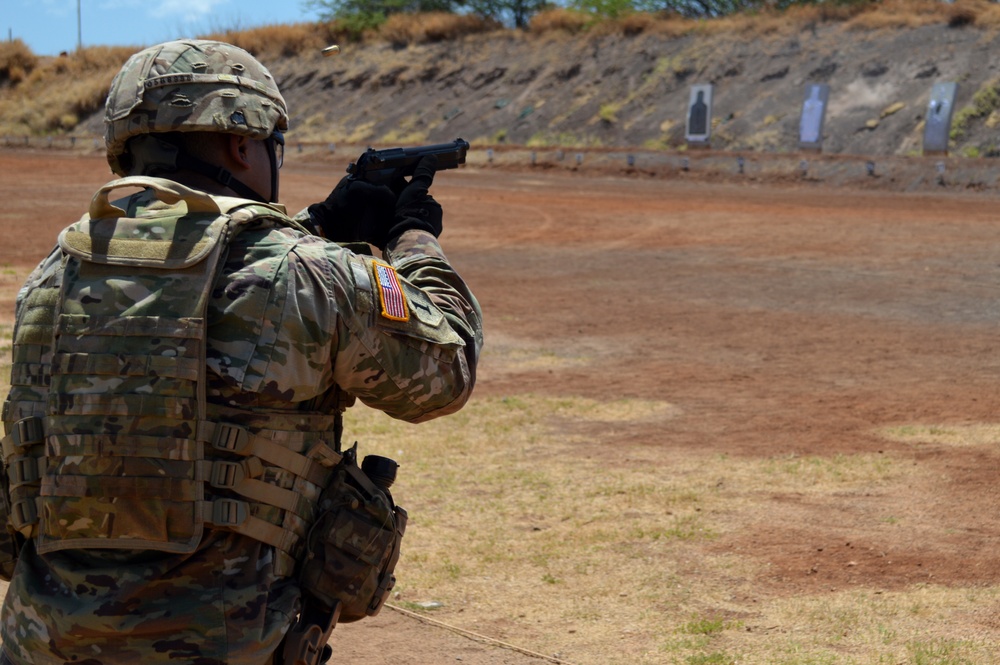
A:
[187, 11]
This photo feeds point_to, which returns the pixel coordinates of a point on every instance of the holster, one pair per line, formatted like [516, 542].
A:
[353, 547]
[351, 553]
[306, 641]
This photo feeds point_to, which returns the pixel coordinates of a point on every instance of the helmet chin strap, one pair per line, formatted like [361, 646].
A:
[225, 177]
[274, 170]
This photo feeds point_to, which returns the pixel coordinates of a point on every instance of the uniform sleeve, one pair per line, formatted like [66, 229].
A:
[304, 219]
[410, 341]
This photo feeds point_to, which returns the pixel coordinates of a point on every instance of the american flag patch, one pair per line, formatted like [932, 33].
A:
[391, 293]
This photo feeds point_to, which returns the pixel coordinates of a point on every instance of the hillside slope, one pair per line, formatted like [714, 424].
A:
[616, 90]
[621, 90]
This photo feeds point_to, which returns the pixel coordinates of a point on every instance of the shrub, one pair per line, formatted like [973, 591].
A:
[959, 17]
[404, 29]
[565, 20]
[58, 92]
[355, 27]
[892, 14]
[637, 23]
[984, 102]
[284, 40]
[16, 61]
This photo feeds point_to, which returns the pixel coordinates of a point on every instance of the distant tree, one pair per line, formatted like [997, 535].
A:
[359, 15]
[608, 8]
[344, 9]
[509, 12]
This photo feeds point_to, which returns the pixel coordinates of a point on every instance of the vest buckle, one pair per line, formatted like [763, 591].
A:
[229, 512]
[23, 470]
[28, 432]
[226, 475]
[23, 513]
[231, 438]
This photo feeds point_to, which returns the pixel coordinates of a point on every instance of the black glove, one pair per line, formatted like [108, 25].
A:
[415, 208]
[355, 211]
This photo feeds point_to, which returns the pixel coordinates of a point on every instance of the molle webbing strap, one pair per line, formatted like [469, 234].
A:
[22, 454]
[92, 363]
[241, 478]
[274, 447]
[25, 407]
[128, 376]
[168, 489]
[135, 445]
[25, 433]
[24, 470]
[235, 515]
[278, 448]
[109, 398]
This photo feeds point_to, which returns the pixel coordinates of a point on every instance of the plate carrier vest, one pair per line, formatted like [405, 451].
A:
[111, 442]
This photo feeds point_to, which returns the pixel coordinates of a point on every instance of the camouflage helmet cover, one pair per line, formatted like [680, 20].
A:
[191, 86]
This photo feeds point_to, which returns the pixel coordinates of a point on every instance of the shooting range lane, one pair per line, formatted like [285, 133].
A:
[779, 321]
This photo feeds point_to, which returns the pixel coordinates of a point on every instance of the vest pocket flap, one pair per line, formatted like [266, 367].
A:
[148, 243]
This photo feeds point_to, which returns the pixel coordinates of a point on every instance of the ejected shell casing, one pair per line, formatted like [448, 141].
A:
[331, 50]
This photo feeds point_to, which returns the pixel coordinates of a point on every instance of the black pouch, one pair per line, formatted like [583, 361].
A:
[353, 547]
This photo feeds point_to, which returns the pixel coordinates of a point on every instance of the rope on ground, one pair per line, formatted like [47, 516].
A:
[476, 636]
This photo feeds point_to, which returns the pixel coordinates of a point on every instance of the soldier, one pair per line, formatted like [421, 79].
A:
[180, 363]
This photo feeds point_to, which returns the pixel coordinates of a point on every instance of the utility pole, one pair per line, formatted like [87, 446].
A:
[79, 27]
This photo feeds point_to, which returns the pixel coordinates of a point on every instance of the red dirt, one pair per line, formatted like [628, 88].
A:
[780, 320]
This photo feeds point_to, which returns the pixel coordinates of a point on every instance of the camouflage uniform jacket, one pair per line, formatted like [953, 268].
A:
[408, 348]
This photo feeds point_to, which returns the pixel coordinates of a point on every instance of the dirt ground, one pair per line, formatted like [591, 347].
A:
[780, 319]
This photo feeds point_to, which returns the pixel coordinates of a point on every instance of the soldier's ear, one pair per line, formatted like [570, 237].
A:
[238, 150]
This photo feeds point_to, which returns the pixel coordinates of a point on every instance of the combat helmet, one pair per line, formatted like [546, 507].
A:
[191, 85]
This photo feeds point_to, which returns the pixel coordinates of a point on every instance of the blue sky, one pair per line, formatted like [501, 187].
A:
[50, 26]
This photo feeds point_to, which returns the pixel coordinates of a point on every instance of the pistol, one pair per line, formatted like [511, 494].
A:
[383, 167]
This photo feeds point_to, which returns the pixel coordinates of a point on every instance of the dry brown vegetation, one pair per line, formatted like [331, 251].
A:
[284, 40]
[915, 13]
[52, 95]
[559, 20]
[402, 29]
[16, 62]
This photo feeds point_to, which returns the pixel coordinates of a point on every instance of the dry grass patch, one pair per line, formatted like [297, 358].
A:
[927, 625]
[974, 434]
[987, 15]
[279, 40]
[510, 526]
[506, 356]
[525, 528]
[559, 20]
[888, 14]
[59, 92]
[405, 29]
[16, 62]
[895, 14]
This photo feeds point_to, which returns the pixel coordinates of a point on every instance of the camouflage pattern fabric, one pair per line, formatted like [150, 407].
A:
[290, 317]
[355, 544]
[191, 85]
